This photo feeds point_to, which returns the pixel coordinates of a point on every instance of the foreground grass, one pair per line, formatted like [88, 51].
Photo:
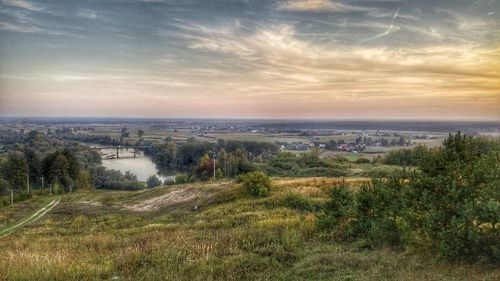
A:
[9, 229]
[92, 236]
[12, 214]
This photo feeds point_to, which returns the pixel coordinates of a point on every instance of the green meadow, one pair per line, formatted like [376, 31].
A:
[159, 234]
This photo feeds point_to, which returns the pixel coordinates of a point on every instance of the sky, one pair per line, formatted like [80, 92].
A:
[284, 59]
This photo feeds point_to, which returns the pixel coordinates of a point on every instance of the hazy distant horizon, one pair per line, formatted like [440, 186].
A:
[199, 118]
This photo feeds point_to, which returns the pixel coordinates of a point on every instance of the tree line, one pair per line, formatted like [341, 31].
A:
[197, 158]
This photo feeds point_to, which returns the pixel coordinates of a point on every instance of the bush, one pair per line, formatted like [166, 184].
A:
[337, 211]
[406, 157]
[299, 202]
[378, 211]
[362, 161]
[181, 178]
[219, 174]
[257, 183]
[153, 181]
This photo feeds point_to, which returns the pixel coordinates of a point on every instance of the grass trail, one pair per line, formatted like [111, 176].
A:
[4, 231]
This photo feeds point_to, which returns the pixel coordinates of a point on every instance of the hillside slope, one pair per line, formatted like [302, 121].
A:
[158, 235]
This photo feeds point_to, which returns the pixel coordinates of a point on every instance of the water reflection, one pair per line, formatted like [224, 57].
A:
[141, 166]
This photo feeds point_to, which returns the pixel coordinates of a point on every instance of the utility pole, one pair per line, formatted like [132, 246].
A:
[42, 183]
[28, 181]
[50, 189]
[12, 197]
[214, 165]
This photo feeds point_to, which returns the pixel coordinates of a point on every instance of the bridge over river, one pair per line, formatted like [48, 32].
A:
[117, 149]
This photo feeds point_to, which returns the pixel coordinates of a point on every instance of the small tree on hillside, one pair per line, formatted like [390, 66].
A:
[257, 183]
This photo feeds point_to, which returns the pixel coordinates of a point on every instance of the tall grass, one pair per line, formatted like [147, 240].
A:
[232, 236]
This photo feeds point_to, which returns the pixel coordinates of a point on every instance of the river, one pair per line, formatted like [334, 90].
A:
[141, 166]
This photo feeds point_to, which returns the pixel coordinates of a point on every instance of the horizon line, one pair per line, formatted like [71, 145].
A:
[393, 119]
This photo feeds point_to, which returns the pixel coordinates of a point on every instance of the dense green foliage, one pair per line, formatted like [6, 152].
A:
[338, 211]
[451, 204]
[153, 181]
[307, 164]
[181, 178]
[257, 183]
[4, 187]
[406, 157]
[15, 170]
[112, 179]
[62, 165]
[233, 157]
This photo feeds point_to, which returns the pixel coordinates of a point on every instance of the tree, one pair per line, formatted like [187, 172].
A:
[124, 133]
[130, 176]
[15, 170]
[4, 187]
[59, 170]
[34, 164]
[450, 204]
[140, 133]
[455, 200]
[85, 181]
[205, 168]
[153, 181]
[257, 183]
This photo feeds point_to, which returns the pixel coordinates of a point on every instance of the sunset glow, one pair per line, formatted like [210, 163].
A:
[251, 59]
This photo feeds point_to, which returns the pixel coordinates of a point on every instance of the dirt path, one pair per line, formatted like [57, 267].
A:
[10, 229]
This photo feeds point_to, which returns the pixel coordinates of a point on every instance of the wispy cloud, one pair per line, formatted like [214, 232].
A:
[87, 13]
[317, 6]
[282, 65]
[23, 4]
[247, 58]
[17, 28]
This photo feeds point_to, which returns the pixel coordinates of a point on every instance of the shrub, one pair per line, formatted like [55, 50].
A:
[337, 211]
[257, 183]
[378, 211]
[153, 181]
[362, 161]
[219, 174]
[299, 202]
[181, 178]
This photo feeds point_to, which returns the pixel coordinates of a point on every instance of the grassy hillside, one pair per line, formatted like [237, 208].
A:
[157, 235]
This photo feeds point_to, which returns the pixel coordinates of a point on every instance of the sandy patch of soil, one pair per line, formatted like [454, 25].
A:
[176, 195]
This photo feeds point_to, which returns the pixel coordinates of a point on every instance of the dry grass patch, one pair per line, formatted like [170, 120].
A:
[315, 187]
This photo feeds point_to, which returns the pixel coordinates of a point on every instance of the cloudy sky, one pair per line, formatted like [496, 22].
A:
[429, 59]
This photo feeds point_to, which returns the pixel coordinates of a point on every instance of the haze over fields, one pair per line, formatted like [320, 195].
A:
[251, 59]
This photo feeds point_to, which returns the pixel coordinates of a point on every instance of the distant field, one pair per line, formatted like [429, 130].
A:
[349, 155]
[260, 137]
